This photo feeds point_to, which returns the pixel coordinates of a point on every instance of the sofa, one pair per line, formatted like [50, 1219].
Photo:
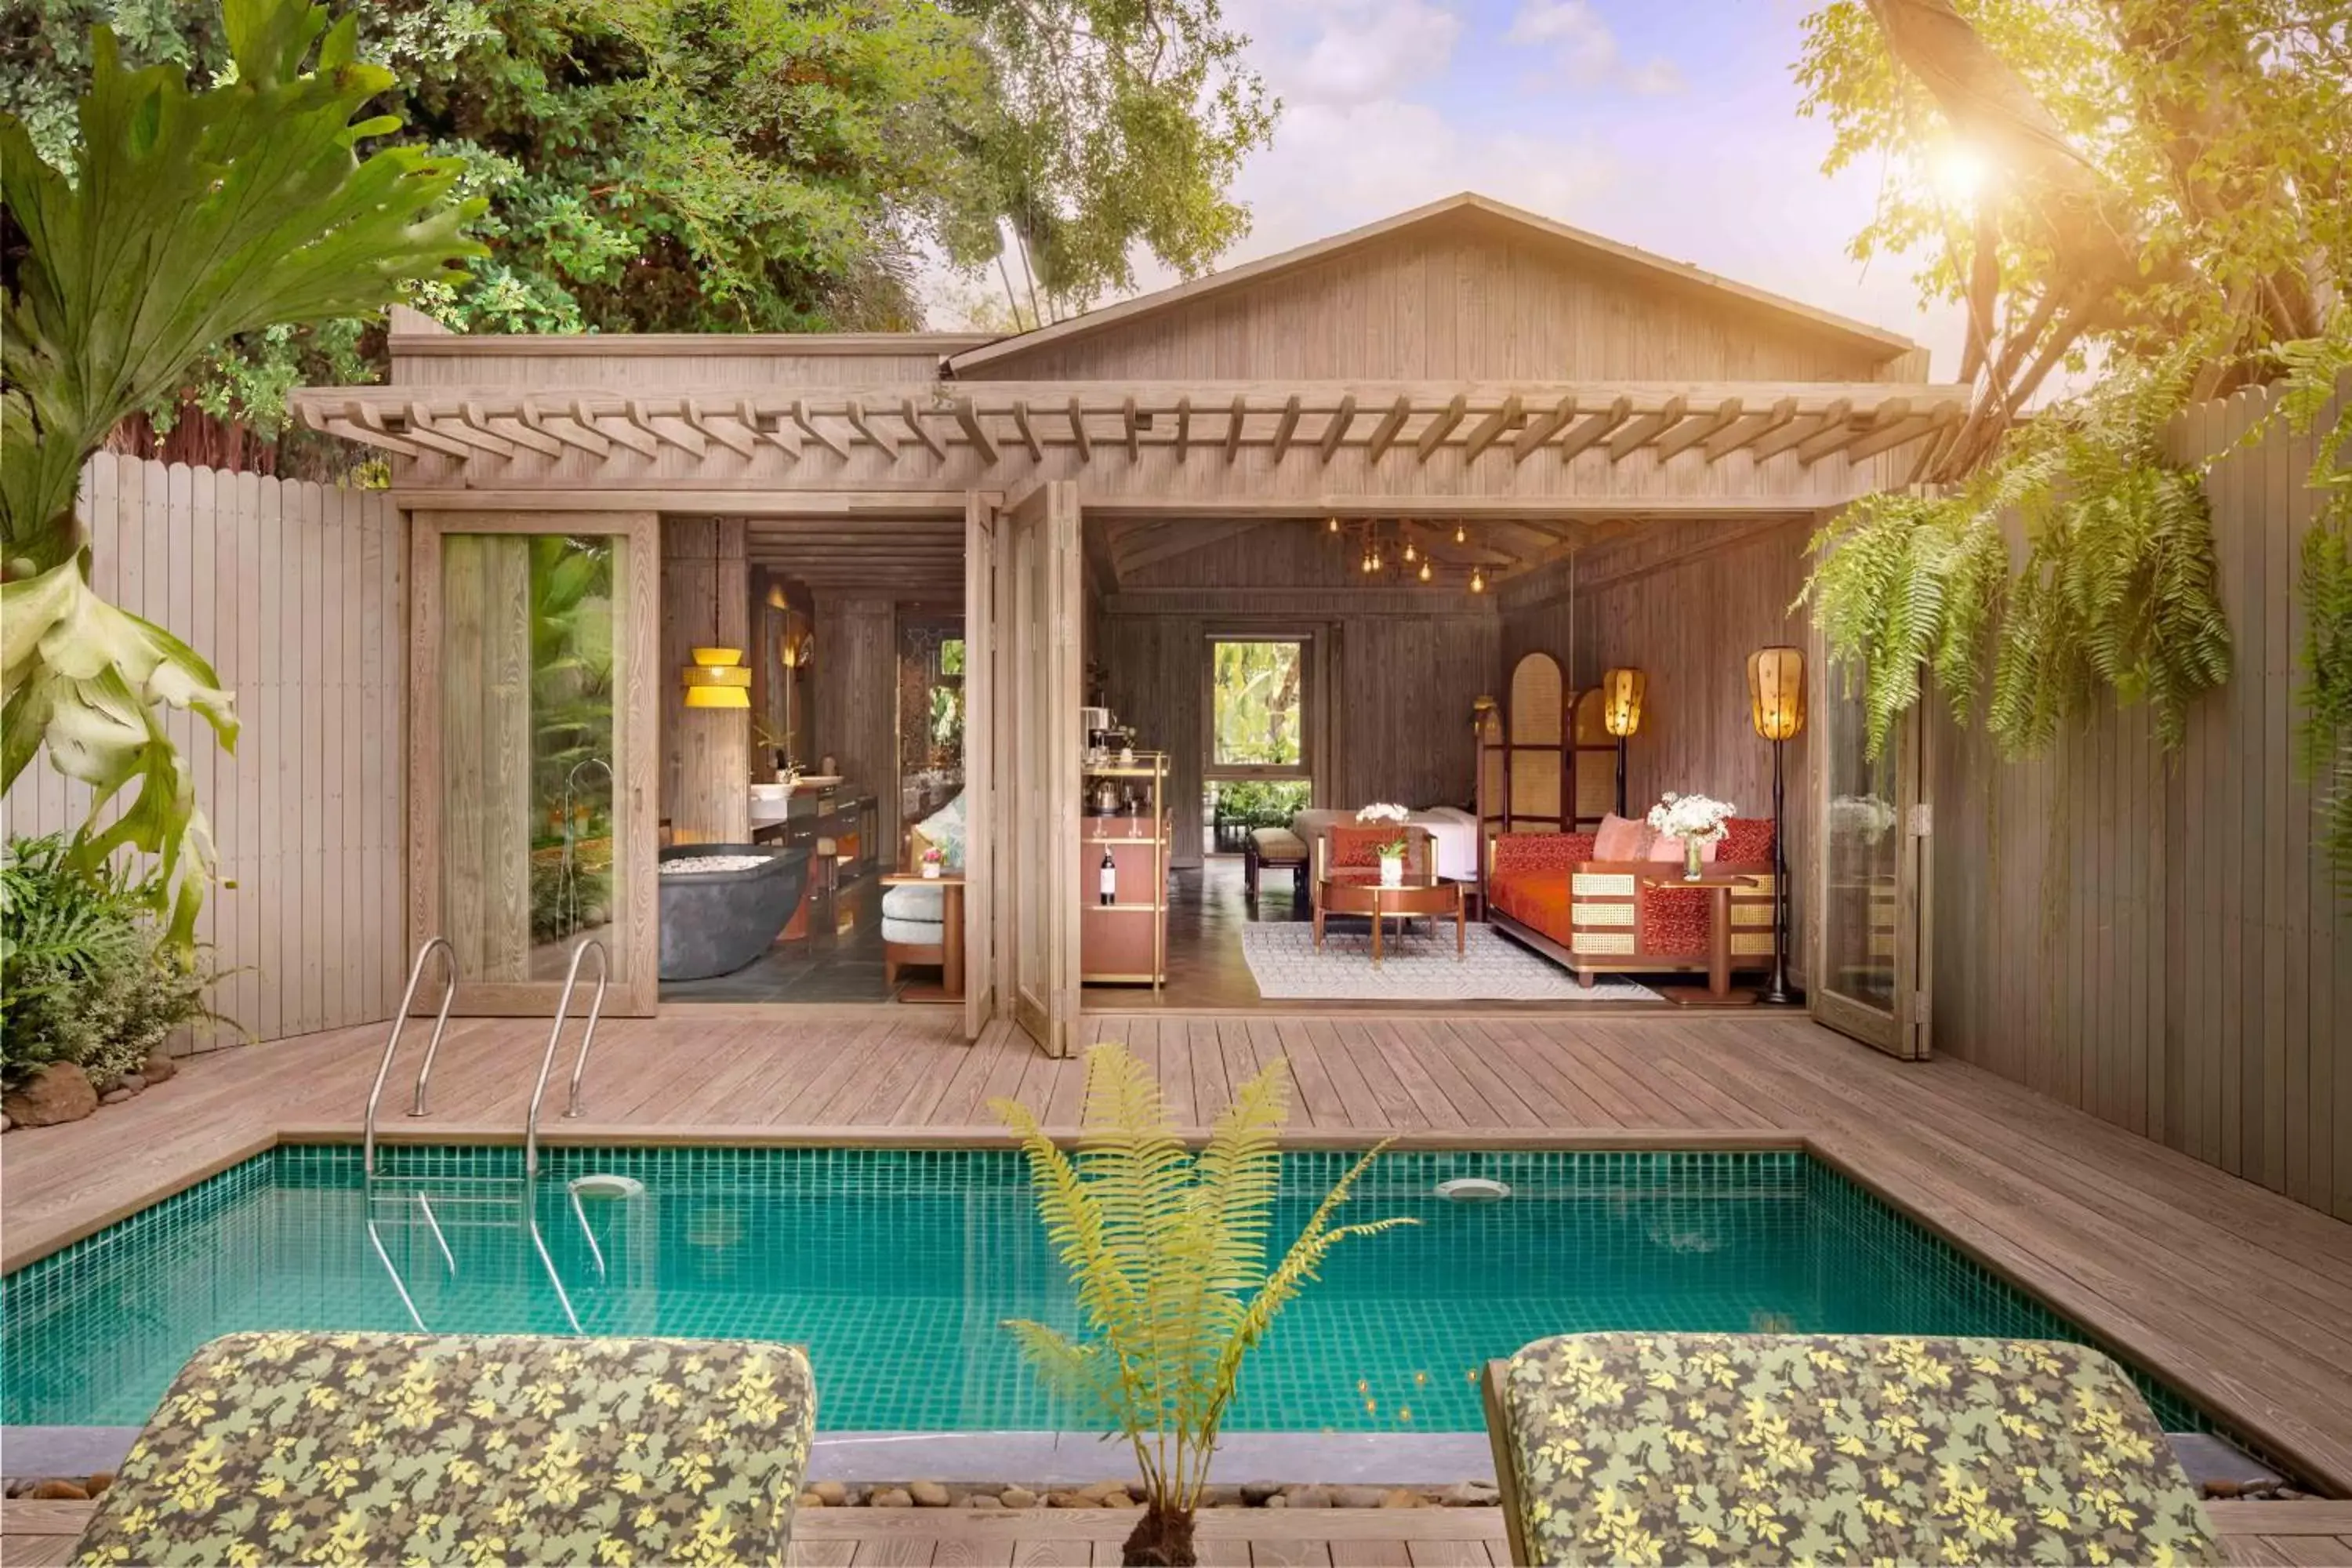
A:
[1549, 892]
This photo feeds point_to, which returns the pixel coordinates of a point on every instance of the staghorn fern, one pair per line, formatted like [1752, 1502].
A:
[1168, 1253]
[2117, 590]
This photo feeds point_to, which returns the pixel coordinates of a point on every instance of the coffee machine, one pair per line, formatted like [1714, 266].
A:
[1100, 728]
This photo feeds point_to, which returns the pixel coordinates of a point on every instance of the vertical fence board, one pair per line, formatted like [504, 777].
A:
[2153, 940]
[293, 591]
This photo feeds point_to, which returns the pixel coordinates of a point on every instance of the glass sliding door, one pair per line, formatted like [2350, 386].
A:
[1868, 979]
[532, 745]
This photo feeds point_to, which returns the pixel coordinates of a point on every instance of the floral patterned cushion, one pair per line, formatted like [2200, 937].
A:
[366, 1447]
[1561, 852]
[1629, 1447]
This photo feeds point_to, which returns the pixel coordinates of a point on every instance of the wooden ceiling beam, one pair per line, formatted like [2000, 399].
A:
[1639, 432]
[1286, 427]
[1592, 427]
[1078, 431]
[1384, 434]
[1233, 426]
[913, 417]
[1696, 427]
[717, 426]
[1846, 433]
[861, 422]
[975, 431]
[1542, 428]
[1128, 422]
[1803, 429]
[1440, 426]
[780, 432]
[1028, 435]
[1888, 436]
[1337, 431]
[809, 427]
[1747, 428]
[1183, 427]
[1484, 434]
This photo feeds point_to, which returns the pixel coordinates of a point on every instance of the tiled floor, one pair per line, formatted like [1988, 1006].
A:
[839, 961]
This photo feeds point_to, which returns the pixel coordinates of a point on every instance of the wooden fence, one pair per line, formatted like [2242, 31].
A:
[295, 592]
[2152, 939]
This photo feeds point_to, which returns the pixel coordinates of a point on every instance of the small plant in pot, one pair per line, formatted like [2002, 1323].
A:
[1168, 1250]
[1392, 851]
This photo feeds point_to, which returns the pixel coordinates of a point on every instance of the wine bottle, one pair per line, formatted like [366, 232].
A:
[1109, 878]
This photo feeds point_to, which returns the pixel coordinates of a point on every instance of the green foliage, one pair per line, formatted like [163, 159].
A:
[2317, 369]
[2222, 127]
[1258, 698]
[85, 975]
[1168, 1251]
[189, 218]
[2117, 588]
[740, 165]
[1261, 803]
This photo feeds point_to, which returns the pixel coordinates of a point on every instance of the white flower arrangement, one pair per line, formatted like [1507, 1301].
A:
[1693, 818]
[1390, 813]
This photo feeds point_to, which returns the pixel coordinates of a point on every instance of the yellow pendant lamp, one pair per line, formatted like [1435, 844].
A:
[718, 678]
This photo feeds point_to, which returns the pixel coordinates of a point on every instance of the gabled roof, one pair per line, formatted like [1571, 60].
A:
[1471, 207]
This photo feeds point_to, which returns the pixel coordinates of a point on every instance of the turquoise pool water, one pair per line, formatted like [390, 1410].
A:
[897, 1268]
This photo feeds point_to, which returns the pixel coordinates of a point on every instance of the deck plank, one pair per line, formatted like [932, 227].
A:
[2241, 1296]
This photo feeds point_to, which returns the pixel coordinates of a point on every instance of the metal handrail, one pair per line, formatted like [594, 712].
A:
[555, 1035]
[400, 1022]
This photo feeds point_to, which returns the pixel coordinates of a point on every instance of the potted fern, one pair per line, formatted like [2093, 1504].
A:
[1168, 1250]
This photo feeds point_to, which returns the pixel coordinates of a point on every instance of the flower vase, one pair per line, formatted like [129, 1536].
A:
[1691, 869]
[930, 870]
[1391, 870]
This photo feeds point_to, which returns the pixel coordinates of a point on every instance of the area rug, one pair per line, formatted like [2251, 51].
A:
[1421, 968]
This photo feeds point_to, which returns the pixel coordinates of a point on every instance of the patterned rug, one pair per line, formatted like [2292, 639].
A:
[1421, 968]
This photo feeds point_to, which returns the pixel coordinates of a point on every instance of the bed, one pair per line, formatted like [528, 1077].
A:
[1452, 830]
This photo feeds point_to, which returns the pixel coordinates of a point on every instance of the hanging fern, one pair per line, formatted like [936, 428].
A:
[2117, 590]
[1906, 583]
[2315, 371]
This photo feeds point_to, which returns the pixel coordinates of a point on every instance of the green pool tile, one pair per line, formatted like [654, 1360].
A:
[896, 1268]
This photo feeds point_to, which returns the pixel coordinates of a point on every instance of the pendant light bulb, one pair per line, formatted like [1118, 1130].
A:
[1424, 571]
[1332, 526]
[1410, 554]
[1477, 580]
[1461, 534]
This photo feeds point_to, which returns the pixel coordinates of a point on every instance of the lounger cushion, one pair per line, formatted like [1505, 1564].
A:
[1632, 1447]
[1278, 845]
[365, 1447]
[915, 901]
[912, 933]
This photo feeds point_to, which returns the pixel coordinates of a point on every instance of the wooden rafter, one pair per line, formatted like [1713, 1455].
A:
[1684, 423]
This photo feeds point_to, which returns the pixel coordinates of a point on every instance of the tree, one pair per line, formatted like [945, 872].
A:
[745, 165]
[189, 218]
[2159, 188]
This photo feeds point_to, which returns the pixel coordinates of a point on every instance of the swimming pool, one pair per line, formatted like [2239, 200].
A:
[896, 1268]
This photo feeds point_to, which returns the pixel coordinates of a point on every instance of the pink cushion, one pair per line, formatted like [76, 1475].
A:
[1669, 848]
[1622, 838]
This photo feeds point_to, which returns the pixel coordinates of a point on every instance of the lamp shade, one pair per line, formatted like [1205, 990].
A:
[1620, 701]
[718, 678]
[1776, 692]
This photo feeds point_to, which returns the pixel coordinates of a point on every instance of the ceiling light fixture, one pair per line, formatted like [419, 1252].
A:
[1477, 579]
[1424, 571]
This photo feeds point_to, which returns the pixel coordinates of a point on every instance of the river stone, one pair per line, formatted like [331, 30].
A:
[1403, 1497]
[929, 1494]
[132, 1082]
[58, 1491]
[4, 1122]
[1257, 1494]
[159, 1068]
[117, 1096]
[1470, 1494]
[1358, 1497]
[832, 1494]
[892, 1496]
[1018, 1497]
[99, 1481]
[1309, 1497]
[983, 1500]
[60, 1091]
[810, 1499]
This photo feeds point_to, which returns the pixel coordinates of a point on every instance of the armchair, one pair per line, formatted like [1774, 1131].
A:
[1595, 917]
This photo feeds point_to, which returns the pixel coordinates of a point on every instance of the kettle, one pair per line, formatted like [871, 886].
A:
[1109, 798]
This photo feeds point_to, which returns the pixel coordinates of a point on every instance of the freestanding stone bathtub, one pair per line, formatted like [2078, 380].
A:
[715, 922]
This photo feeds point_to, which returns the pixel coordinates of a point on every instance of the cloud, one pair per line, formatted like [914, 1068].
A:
[1585, 48]
[1370, 50]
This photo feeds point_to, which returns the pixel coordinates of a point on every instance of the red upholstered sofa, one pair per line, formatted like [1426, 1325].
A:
[1596, 918]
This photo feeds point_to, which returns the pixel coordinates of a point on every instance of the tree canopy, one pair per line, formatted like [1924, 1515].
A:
[745, 165]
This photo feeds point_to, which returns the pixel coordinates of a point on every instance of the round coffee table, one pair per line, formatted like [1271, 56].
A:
[1422, 893]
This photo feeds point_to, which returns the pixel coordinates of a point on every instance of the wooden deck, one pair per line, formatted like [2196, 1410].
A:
[2237, 1295]
[2257, 1535]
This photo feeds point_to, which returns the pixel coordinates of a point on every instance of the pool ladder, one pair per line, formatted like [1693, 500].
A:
[475, 1194]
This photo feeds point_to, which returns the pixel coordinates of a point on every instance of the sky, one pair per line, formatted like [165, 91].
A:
[1670, 124]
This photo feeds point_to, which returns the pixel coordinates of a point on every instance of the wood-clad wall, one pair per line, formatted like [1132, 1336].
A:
[295, 592]
[486, 753]
[1686, 604]
[856, 713]
[1434, 300]
[705, 751]
[1398, 667]
[2157, 942]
